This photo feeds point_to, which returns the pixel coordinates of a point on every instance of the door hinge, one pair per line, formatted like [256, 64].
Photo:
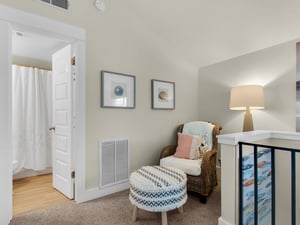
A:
[73, 61]
[74, 76]
[73, 174]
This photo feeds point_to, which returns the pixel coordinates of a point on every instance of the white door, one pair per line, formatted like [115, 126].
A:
[5, 131]
[62, 121]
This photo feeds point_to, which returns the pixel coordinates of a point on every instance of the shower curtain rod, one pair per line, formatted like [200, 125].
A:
[37, 67]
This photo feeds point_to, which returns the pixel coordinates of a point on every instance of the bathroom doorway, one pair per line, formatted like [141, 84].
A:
[32, 116]
[11, 19]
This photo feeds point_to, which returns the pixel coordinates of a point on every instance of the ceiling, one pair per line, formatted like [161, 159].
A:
[203, 32]
[33, 45]
[210, 31]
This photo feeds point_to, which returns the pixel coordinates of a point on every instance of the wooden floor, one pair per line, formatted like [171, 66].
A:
[33, 193]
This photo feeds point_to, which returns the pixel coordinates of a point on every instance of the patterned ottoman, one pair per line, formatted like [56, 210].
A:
[157, 189]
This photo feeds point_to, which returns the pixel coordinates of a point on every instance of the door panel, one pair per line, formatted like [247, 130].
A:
[62, 121]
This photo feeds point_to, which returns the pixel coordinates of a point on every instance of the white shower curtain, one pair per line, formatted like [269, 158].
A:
[31, 118]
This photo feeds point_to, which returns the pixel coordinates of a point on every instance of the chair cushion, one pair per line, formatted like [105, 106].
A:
[189, 166]
[201, 128]
[188, 146]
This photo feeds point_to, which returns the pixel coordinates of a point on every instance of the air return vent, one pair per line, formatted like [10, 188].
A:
[64, 4]
[114, 162]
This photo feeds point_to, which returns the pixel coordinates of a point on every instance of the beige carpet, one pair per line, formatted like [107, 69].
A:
[117, 210]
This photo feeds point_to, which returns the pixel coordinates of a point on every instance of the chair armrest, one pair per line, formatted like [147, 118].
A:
[168, 150]
[207, 156]
[208, 176]
[208, 164]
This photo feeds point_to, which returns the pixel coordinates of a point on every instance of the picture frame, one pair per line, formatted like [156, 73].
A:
[163, 94]
[117, 90]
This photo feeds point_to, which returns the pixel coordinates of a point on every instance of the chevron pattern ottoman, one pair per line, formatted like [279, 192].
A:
[157, 189]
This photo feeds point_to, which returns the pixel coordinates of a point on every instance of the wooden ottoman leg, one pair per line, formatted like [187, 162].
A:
[135, 212]
[164, 219]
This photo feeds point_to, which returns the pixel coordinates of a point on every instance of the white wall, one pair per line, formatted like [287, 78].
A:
[117, 40]
[274, 67]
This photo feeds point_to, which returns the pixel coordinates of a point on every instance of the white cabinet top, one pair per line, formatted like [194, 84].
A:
[251, 136]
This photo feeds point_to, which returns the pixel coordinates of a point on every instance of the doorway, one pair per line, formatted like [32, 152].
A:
[10, 19]
[32, 109]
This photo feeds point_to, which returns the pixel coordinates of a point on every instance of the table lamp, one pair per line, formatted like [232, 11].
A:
[245, 98]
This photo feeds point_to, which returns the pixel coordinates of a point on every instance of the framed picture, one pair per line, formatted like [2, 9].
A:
[117, 90]
[163, 94]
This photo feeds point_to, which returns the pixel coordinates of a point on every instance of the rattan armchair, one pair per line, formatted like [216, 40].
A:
[205, 183]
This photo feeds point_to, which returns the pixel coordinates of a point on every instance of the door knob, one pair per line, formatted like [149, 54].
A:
[52, 128]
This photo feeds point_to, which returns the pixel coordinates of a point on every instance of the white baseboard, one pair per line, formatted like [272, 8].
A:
[31, 173]
[94, 193]
[223, 222]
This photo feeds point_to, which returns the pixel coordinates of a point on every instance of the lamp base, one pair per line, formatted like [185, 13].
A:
[248, 122]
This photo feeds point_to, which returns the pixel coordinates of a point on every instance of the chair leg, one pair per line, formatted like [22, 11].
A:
[203, 199]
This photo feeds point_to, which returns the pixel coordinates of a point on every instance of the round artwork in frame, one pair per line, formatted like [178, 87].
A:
[119, 91]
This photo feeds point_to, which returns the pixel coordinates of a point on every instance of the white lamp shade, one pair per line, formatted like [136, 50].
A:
[251, 96]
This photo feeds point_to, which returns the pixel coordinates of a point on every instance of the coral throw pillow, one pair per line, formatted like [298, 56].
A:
[188, 146]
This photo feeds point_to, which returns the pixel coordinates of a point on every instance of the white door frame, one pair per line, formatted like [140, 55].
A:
[5, 137]
[18, 19]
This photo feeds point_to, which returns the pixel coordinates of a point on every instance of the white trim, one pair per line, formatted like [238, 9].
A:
[285, 135]
[223, 222]
[30, 173]
[234, 138]
[94, 193]
[81, 126]
[5, 117]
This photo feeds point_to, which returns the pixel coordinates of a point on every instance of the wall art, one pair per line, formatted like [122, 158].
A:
[117, 90]
[163, 94]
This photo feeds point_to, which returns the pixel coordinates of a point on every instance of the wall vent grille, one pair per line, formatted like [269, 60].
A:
[64, 4]
[114, 162]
